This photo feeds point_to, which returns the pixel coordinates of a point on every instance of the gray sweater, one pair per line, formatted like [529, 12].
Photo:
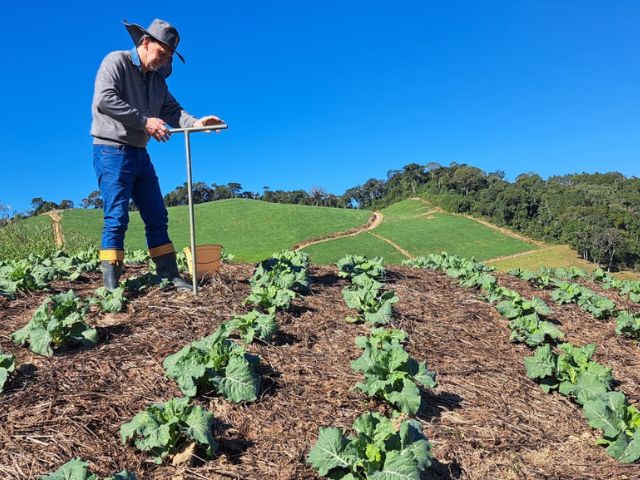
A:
[124, 99]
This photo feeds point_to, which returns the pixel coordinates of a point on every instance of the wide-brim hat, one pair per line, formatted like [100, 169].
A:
[159, 30]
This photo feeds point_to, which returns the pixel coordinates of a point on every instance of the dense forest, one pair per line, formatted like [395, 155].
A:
[596, 214]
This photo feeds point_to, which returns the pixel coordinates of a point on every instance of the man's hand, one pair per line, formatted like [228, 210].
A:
[157, 129]
[209, 120]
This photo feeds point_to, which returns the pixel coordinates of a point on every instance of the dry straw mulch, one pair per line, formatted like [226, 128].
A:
[486, 419]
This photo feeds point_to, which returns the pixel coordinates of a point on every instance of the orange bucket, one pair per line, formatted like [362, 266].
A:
[208, 260]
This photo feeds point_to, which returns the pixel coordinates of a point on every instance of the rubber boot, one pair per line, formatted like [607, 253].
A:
[111, 272]
[167, 267]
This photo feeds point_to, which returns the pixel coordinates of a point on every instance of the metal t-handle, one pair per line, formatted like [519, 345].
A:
[192, 220]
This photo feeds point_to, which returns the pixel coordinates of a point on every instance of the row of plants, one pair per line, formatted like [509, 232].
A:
[390, 374]
[61, 318]
[599, 306]
[543, 277]
[565, 368]
[36, 272]
[216, 363]
[61, 321]
[366, 293]
[626, 288]
[381, 447]
[527, 318]
[277, 280]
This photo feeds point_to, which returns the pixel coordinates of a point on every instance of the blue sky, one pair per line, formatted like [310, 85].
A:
[332, 93]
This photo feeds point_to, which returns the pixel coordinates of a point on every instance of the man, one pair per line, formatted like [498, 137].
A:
[132, 103]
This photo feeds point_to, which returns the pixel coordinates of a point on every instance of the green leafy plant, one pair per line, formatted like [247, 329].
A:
[287, 270]
[58, 321]
[597, 305]
[619, 422]
[277, 279]
[481, 280]
[270, 297]
[571, 273]
[181, 261]
[215, 363]
[469, 272]
[163, 428]
[572, 371]
[78, 469]
[628, 288]
[136, 257]
[17, 278]
[373, 304]
[351, 266]
[628, 325]
[112, 301]
[381, 449]
[87, 260]
[7, 366]
[35, 272]
[566, 292]
[540, 279]
[226, 257]
[497, 293]
[607, 280]
[631, 289]
[252, 325]
[389, 372]
[527, 324]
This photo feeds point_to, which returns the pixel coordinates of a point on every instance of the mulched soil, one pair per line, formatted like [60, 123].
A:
[486, 419]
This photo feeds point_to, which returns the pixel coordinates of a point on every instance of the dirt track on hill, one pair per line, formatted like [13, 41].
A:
[486, 419]
[373, 222]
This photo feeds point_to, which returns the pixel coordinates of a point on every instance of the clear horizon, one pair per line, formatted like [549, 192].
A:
[333, 94]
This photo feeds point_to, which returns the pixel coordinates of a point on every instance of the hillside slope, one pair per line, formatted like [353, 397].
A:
[250, 229]
[412, 228]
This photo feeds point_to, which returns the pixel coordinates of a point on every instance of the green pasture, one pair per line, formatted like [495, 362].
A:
[251, 230]
[361, 244]
[453, 234]
[406, 209]
[412, 225]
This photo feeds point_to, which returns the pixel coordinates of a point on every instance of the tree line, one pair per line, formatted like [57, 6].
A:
[596, 214]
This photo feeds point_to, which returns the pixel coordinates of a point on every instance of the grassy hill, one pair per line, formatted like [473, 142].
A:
[413, 227]
[252, 230]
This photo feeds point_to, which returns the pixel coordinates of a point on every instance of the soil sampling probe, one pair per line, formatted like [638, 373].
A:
[192, 225]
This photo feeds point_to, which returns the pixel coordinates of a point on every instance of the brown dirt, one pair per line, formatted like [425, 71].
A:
[486, 419]
[374, 221]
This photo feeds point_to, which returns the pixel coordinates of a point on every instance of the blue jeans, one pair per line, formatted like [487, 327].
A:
[126, 173]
